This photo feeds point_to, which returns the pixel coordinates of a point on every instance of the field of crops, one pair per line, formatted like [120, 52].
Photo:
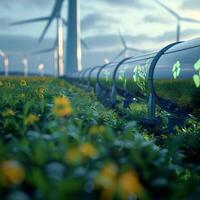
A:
[58, 142]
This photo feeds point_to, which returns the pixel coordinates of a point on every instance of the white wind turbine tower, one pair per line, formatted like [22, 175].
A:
[126, 48]
[179, 19]
[41, 69]
[73, 47]
[5, 62]
[55, 54]
[25, 65]
[58, 46]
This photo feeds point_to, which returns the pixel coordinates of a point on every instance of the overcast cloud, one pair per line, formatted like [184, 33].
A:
[142, 23]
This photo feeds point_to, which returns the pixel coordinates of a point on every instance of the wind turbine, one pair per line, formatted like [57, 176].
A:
[57, 49]
[106, 61]
[55, 52]
[41, 69]
[55, 14]
[126, 48]
[73, 43]
[178, 18]
[25, 64]
[5, 62]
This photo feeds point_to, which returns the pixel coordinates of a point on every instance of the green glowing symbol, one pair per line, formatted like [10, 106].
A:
[196, 77]
[197, 65]
[176, 69]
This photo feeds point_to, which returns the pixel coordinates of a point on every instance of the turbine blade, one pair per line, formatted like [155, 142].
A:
[84, 44]
[119, 55]
[134, 49]
[122, 39]
[64, 21]
[189, 20]
[56, 10]
[43, 51]
[45, 30]
[30, 21]
[168, 9]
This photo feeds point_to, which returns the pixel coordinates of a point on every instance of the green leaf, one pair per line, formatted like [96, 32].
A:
[197, 65]
[178, 72]
[174, 75]
[196, 79]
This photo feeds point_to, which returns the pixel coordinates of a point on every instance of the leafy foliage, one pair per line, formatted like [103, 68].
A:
[58, 142]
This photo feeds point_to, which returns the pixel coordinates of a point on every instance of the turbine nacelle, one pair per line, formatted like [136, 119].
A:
[126, 47]
[178, 18]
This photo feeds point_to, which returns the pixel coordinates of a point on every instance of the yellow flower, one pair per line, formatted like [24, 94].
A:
[12, 173]
[73, 156]
[96, 129]
[107, 176]
[22, 95]
[8, 113]
[42, 90]
[88, 150]
[129, 184]
[23, 83]
[62, 107]
[31, 119]
[107, 181]
[1, 83]
[41, 96]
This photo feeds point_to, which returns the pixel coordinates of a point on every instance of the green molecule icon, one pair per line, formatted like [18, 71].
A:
[176, 69]
[197, 65]
[196, 77]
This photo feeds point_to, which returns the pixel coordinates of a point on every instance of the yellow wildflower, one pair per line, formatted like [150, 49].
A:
[12, 173]
[31, 119]
[62, 107]
[8, 113]
[107, 181]
[96, 129]
[23, 83]
[22, 95]
[107, 176]
[73, 156]
[42, 90]
[41, 96]
[129, 185]
[88, 150]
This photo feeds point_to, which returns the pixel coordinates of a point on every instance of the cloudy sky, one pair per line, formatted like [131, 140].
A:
[144, 25]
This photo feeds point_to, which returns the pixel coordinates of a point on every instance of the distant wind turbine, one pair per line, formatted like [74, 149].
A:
[55, 52]
[106, 61]
[5, 62]
[59, 38]
[58, 50]
[178, 18]
[41, 69]
[126, 48]
[25, 64]
[73, 42]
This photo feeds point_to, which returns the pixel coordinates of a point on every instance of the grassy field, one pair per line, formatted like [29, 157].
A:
[58, 142]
